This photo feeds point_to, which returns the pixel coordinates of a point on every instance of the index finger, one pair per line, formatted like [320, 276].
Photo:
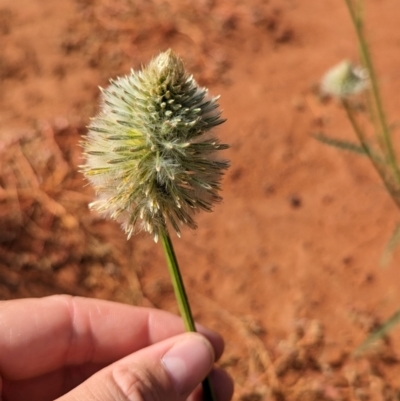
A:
[38, 336]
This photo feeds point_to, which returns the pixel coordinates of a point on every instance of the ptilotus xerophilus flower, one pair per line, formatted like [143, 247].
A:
[344, 79]
[150, 153]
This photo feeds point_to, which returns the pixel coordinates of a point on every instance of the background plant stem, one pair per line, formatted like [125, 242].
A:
[360, 135]
[391, 156]
[183, 302]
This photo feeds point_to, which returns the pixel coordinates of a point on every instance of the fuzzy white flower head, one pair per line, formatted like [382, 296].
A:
[344, 79]
[150, 154]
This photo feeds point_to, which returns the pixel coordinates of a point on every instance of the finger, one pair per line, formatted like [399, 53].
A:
[222, 385]
[57, 331]
[53, 385]
[167, 371]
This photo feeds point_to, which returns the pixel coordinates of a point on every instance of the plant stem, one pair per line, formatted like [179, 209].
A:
[183, 302]
[378, 333]
[360, 135]
[375, 91]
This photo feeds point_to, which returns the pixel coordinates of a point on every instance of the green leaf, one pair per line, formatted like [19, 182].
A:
[379, 333]
[349, 146]
[340, 144]
[391, 245]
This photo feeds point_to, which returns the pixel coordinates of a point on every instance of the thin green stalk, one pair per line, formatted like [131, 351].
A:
[375, 91]
[183, 302]
[379, 333]
[372, 114]
[358, 131]
[360, 135]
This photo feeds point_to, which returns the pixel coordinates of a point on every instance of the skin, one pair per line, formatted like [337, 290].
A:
[71, 348]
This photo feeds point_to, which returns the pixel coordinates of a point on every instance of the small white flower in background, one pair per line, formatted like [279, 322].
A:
[149, 152]
[344, 79]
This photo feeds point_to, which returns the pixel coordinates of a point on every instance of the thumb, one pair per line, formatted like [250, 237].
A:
[167, 371]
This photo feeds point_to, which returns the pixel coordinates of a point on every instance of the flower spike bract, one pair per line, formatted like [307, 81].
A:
[150, 154]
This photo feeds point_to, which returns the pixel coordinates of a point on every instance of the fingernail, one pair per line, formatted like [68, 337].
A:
[188, 362]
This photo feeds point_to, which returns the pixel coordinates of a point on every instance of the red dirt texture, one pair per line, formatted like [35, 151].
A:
[287, 266]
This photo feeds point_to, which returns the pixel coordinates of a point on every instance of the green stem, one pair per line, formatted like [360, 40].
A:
[183, 302]
[375, 91]
[360, 135]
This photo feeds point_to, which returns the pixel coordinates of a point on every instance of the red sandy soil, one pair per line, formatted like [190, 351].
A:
[287, 267]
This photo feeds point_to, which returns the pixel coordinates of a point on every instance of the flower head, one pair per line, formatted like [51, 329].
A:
[344, 79]
[149, 152]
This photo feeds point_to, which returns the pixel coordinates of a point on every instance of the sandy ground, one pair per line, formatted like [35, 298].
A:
[287, 267]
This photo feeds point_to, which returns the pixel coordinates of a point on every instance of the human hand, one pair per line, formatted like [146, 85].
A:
[71, 348]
